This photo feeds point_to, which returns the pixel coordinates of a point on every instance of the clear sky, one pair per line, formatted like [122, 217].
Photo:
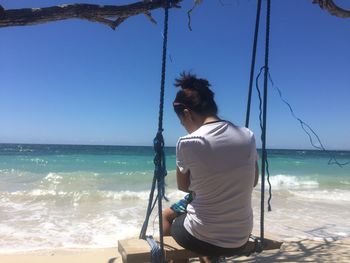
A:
[79, 82]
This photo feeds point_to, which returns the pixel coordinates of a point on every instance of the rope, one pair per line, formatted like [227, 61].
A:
[160, 172]
[156, 256]
[165, 43]
[263, 134]
[252, 67]
[261, 126]
[307, 129]
[270, 188]
[149, 209]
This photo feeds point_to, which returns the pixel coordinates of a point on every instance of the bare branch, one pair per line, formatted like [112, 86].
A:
[108, 22]
[150, 17]
[106, 14]
[112, 15]
[196, 2]
[332, 8]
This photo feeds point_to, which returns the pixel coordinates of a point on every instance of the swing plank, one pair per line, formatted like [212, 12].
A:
[138, 250]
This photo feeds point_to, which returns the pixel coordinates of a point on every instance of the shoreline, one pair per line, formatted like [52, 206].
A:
[291, 251]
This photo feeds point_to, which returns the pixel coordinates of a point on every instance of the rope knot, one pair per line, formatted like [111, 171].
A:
[158, 142]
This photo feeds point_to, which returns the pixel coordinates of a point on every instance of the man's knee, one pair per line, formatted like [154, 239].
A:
[169, 215]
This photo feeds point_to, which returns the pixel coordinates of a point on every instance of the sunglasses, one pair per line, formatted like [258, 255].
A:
[178, 104]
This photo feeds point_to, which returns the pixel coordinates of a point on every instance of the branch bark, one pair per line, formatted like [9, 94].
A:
[109, 15]
[332, 8]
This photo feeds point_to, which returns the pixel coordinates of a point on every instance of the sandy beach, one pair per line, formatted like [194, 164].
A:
[293, 251]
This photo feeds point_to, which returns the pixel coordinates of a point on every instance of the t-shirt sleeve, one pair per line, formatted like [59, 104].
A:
[181, 158]
[255, 152]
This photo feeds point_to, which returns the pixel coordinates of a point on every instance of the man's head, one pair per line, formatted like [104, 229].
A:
[194, 101]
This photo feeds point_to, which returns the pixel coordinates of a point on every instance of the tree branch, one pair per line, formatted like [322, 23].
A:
[109, 15]
[332, 8]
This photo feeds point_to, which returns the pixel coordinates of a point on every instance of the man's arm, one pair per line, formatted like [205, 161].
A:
[183, 180]
[256, 179]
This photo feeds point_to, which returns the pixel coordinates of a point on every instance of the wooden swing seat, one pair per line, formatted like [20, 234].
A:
[139, 251]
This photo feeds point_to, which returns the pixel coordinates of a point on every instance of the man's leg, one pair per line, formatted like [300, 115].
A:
[168, 217]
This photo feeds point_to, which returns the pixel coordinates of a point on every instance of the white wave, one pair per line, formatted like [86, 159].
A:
[53, 178]
[39, 161]
[14, 173]
[172, 194]
[115, 162]
[324, 195]
[97, 219]
[41, 192]
[52, 228]
[51, 196]
[125, 195]
[282, 181]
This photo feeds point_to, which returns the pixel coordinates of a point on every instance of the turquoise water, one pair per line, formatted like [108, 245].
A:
[74, 196]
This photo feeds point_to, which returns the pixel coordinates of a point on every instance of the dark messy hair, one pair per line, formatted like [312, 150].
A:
[194, 94]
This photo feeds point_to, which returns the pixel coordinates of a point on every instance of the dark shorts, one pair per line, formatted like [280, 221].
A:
[186, 240]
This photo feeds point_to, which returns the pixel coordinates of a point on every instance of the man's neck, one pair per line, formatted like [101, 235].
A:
[210, 119]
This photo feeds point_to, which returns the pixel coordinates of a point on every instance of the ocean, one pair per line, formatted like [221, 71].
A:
[78, 196]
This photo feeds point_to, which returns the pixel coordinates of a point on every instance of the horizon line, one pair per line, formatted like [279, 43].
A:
[126, 145]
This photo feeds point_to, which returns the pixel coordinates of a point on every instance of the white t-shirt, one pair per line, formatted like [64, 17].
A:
[221, 159]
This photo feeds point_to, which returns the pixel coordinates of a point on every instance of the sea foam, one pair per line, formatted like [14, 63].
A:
[92, 196]
[282, 181]
[324, 195]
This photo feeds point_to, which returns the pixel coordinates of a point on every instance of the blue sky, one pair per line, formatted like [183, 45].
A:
[79, 82]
